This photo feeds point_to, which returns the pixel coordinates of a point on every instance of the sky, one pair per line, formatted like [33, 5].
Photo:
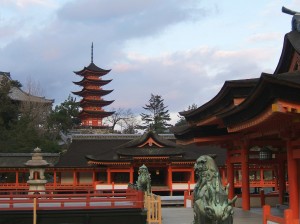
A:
[183, 51]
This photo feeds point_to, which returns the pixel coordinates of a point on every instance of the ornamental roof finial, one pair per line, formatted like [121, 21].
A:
[92, 53]
[295, 19]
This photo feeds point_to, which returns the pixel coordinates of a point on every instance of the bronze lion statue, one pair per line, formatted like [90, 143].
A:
[143, 182]
[211, 203]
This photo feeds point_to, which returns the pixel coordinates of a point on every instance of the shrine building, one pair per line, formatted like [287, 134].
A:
[257, 121]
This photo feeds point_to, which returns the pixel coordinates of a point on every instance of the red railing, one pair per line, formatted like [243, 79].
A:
[287, 219]
[48, 201]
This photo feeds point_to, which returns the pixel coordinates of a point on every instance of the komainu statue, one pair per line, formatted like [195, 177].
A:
[211, 203]
[143, 182]
[295, 19]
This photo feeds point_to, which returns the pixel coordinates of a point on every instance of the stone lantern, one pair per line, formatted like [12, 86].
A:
[37, 168]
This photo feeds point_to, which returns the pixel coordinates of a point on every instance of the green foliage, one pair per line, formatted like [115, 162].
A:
[182, 120]
[18, 131]
[65, 115]
[157, 117]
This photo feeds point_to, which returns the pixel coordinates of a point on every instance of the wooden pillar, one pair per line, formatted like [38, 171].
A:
[245, 178]
[293, 181]
[281, 179]
[170, 179]
[192, 179]
[54, 179]
[93, 176]
[230, 178]
[108, 176]
[131, 174]
[74, 178]
[261, 169]
[17, 177]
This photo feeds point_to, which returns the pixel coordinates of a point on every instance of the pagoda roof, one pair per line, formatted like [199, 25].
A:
[285, 86]
[291, 44]
[99, 92]
[92, 81]
[92, 69]
[102, 103]
[95, 113]
[224, 100]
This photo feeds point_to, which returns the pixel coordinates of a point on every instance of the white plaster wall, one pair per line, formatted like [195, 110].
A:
[67, 178]
[85, 178]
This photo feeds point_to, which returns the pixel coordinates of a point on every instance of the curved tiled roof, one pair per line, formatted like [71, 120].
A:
[92, 69]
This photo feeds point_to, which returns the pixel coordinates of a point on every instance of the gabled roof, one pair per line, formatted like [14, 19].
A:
[149, 144]
[291, 44]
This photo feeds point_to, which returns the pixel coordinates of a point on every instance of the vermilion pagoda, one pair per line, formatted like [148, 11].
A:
[92, 102]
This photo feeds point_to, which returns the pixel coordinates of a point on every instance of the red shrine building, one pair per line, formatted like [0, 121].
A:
[92, 101]
[257, 121]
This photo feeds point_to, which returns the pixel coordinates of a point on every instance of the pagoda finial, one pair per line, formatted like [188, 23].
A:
[92, 52]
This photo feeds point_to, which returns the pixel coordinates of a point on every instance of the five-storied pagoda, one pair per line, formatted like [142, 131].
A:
[92, 101]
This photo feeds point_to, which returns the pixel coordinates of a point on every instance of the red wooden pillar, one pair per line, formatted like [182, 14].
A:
[54, 179]
[93, 176]
[170, 179]
[261, 169]
[108, 176]
[293, 181]
[74, 178]
[281, 179]
[245, 178]
[230, 178]
[17, 177]
[131, 174]
[192, 179]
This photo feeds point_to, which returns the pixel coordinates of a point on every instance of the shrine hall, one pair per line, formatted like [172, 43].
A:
[258, 122]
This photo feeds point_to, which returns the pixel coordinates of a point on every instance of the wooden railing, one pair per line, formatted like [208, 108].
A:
[153, 205]
[47, 201]
[287, 219]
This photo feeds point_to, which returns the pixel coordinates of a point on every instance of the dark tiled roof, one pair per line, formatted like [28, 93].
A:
[94, 69]
[105, 149]
[92, 81]
[100, 92]
[19, 159]
[223, 100]
[290, 45]
[284, 86]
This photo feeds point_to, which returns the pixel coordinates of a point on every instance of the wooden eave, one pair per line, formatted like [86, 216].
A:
[286, 112]
[92, 69]
[270, 88]
[224, 99]
[85, 81]
[108, 163]
[102, 103]
[99, 92]
[151, 157]
[95, 112]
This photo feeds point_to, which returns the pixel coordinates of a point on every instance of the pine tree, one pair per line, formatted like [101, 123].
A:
[157, 117]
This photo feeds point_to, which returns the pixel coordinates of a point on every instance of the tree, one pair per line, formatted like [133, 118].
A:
[125, 119]
[182, 120]
[157, 117]
[8, 109]
[65, 115]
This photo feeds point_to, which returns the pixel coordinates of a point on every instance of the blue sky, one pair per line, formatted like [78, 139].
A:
[181, 50]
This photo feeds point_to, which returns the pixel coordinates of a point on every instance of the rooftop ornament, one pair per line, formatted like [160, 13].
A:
[295, 19]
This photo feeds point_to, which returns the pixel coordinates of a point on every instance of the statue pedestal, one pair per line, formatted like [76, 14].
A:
[37, 185]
